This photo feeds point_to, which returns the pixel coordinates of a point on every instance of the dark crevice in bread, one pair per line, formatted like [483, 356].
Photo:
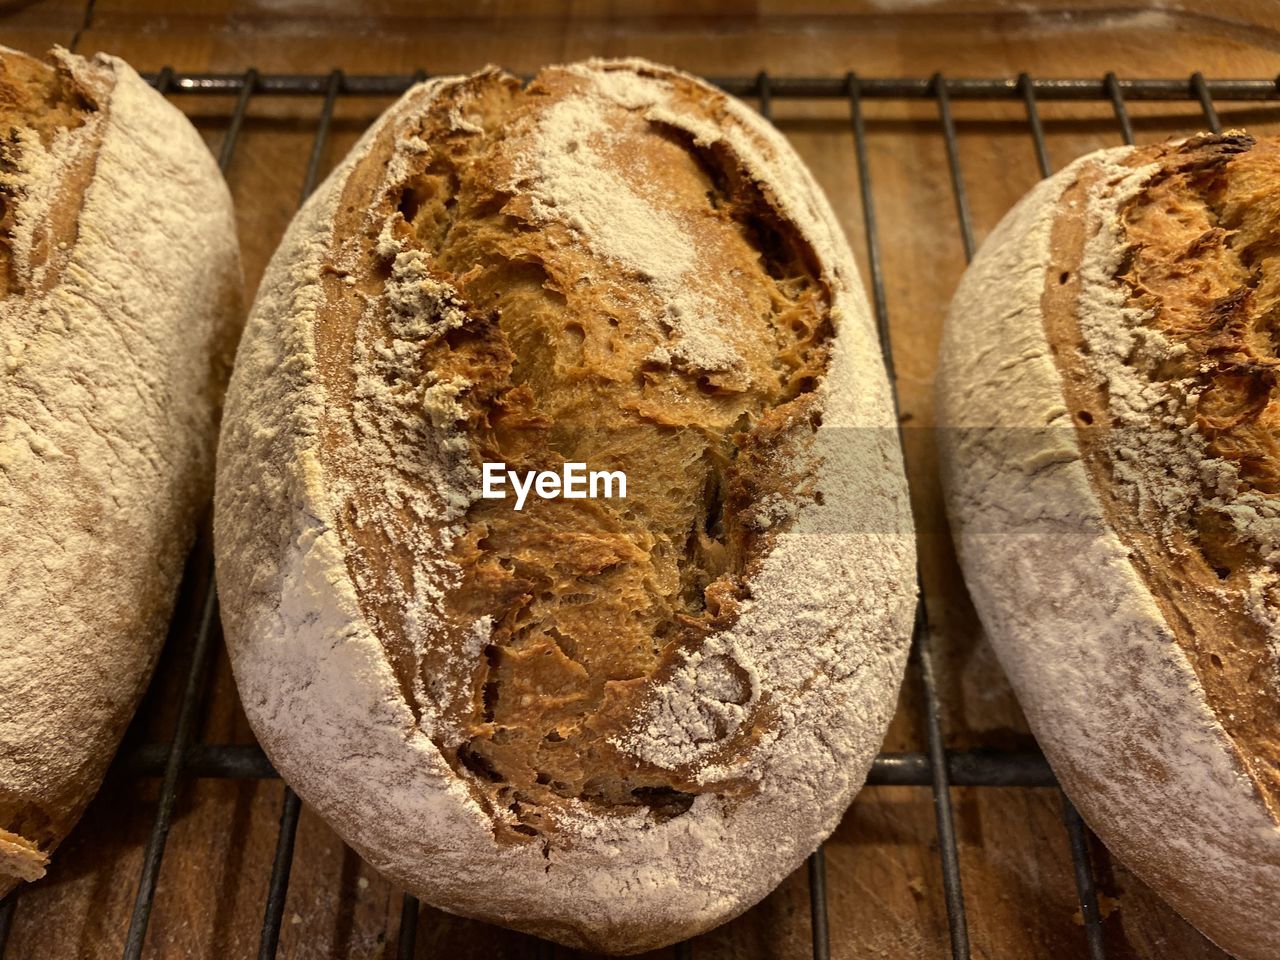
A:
[801, 335]
[664, 801]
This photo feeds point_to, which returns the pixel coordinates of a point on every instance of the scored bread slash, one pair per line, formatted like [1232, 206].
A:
[1107, 389]
[613, 722]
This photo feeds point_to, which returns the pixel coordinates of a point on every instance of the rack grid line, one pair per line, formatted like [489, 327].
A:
[791, 88]
[938, 767]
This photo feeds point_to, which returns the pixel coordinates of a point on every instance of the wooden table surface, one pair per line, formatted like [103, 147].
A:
[884, 886]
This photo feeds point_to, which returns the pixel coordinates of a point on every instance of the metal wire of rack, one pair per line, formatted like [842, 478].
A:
[937, 767]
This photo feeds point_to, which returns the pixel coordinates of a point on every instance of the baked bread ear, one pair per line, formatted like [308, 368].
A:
[613, 722]
[1107, 396]
[120, 293]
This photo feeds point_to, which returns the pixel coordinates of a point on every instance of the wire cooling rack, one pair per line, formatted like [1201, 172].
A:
[182, 758]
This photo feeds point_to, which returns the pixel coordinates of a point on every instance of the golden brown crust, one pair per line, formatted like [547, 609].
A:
[1202, 233]
[589, 601]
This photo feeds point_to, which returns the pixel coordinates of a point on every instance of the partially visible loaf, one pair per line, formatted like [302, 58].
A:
[614, 723]
[1108, 389]
[120, 291]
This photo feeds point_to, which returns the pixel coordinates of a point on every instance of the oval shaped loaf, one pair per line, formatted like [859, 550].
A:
[1108, 393]
[120, 296]
[611, 722]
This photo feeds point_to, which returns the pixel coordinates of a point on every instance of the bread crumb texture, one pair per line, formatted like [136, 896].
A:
[547, 275]
[1180, 412]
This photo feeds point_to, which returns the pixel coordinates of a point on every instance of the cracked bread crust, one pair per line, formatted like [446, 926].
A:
[555, 358]
[120, 282]
[1104, 387]
[614, 724]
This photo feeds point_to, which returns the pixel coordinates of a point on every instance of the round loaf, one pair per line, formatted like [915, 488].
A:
[1108, 406]
[610, 722]
[120, 294]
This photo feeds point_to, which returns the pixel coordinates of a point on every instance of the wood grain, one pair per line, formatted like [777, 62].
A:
[885, 892]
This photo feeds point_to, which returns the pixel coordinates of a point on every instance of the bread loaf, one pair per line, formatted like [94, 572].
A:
[1108, 393]
[610, 722]
[119, 295]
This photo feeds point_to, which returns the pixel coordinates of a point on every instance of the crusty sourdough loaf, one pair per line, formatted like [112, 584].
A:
[1108, 394]
[614, 723]
[119, 299]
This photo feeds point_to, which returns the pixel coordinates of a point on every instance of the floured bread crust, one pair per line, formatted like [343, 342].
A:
[121, 287]
[612, 723]
[1106, 388]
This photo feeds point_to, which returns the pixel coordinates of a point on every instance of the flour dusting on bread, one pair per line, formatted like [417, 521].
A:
[120, 298]
[573, 184]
